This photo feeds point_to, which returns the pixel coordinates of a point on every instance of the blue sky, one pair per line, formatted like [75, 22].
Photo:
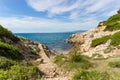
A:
[38, 16]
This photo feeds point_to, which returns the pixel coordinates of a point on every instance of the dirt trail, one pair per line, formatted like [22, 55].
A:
[52, 72]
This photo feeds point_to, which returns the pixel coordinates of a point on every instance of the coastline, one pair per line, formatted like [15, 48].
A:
[55, 42]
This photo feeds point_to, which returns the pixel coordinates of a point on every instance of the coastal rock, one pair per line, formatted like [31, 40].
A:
[82, 41]
[76, 38]
[101, 26]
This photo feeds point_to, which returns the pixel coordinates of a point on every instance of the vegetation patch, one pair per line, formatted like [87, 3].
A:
[115, 40]
[91, 75]
[9, 51]
[78, 61]
[20, 72]
[6, 63]
[34, 52]
[74, 60]
[60, 60]
[99, 41]
[13, 65]
[113, 23]
[114, 64]
[6, 33]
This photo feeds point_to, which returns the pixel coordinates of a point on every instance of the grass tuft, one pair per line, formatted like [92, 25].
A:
[74, 60]
[114, 64]
[91, 75]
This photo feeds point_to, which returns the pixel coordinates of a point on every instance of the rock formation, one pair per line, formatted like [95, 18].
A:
[82, 41]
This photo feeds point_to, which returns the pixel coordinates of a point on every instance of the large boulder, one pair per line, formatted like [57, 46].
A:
[101, 26]
[76, 38]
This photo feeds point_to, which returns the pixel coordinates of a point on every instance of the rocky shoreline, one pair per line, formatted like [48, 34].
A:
[82, 42]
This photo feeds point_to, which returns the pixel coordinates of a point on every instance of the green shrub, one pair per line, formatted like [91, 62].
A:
[59, 58]
[72, 61]
[6, 33]
[20, 72]
[4, 75]
[91, 75]
[99, 41]
[34, 52]
[23, 72]
[115, 39]
[6, 63]
[118, 11]
[114, 64]
[78, 61]
[9, 51]
[113, 23]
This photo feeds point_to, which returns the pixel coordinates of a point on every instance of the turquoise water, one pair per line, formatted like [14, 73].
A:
[55, 41]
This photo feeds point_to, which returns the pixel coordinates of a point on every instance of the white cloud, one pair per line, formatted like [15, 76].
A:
[98, 5]
[82, 14]
[76, 8]
[33, 24]
[54, 6]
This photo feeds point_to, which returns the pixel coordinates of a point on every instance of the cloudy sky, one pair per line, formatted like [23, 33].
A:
[38, 16]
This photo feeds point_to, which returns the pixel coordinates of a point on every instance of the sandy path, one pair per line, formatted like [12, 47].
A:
[51, 70]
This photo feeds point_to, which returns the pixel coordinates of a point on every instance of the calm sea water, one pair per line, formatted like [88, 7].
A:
[55, 41]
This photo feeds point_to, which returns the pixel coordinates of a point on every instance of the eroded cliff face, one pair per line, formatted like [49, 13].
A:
[82, 42]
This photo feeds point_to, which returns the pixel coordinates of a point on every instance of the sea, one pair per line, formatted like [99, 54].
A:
[56, 42]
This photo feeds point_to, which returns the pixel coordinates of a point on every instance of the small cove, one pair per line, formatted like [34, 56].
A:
[56, 42]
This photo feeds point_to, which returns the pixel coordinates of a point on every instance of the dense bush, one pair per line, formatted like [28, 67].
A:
[113, 23]
[9, 51]
[20, 72]
[114, 64]
[6, 63]
[23, 72]
[91, 75]
[6, 33]
[99, 41]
